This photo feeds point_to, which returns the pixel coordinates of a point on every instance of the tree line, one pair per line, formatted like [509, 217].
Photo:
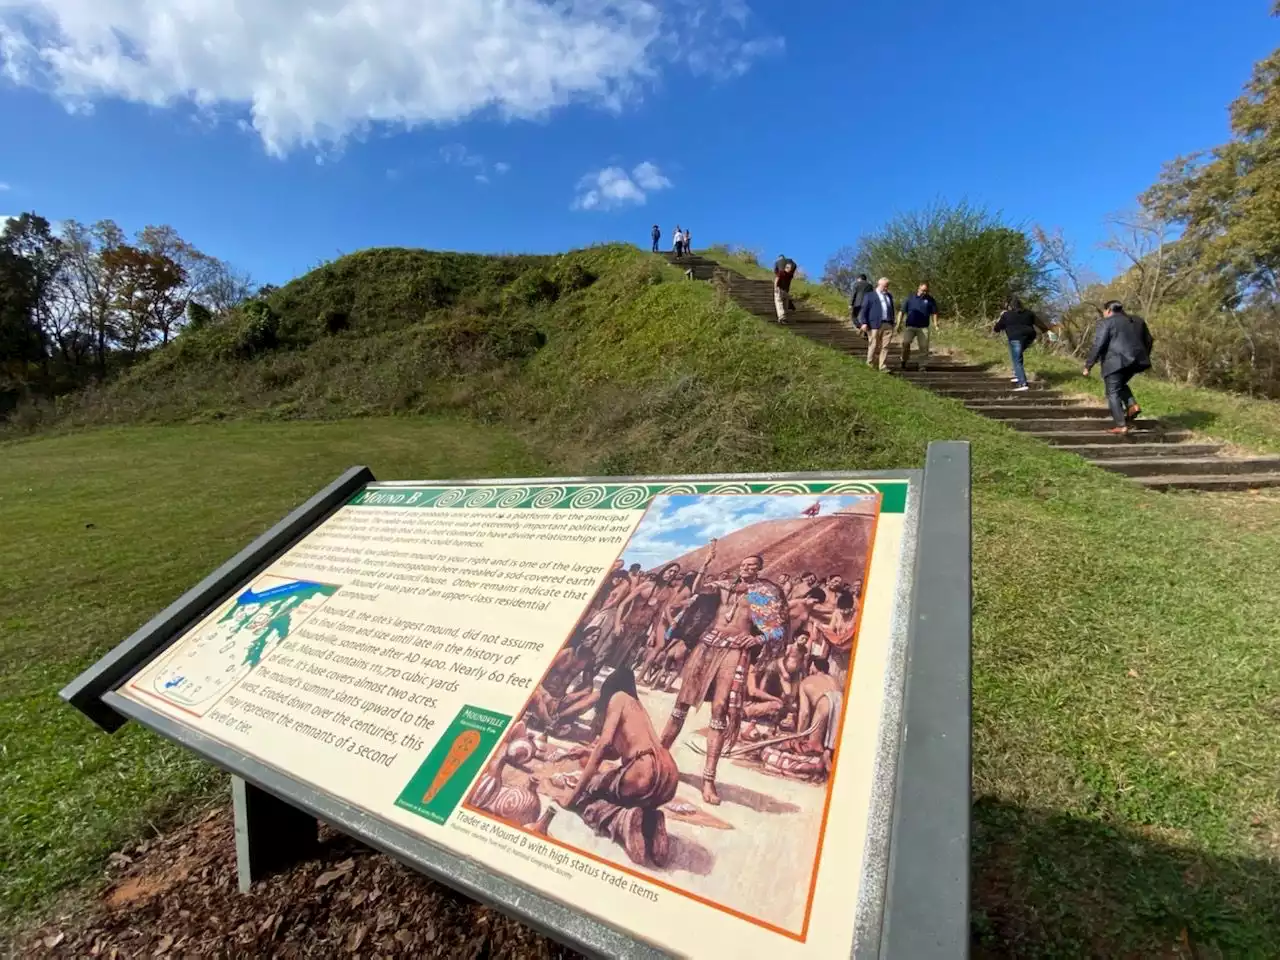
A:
[80, 301]
[1198, 257]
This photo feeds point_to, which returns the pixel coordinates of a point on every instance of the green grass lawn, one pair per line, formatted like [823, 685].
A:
[100, 531]
[1126, 671]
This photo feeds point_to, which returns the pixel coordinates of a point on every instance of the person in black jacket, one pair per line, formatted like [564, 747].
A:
[1019, 325]
[1123, 344]
[861, 287]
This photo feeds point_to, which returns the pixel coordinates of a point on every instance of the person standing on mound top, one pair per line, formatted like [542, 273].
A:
[657, 237]
[1019, 325]
[677, 242]
[1123, 344]
[784, 271]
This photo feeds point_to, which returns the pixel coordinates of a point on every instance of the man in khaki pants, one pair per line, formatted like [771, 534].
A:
[876, 320]
[918, 313]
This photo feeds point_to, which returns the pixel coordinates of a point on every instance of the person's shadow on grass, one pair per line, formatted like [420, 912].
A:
[1055, 884]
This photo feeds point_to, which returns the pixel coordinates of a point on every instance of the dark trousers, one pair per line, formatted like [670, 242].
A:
[655, 244]
[679, 249]
[1119, 396]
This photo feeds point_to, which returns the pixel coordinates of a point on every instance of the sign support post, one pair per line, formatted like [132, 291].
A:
[271, 835]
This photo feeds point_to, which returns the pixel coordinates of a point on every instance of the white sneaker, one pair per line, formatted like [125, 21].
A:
[1013, 379]
[1022, 389]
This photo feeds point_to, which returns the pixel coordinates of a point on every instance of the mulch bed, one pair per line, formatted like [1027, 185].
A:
[176, 896]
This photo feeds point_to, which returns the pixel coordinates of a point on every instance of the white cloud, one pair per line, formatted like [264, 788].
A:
[649, 177]
[613, 187]
[455, 154]
[313, 72]
[3, 187]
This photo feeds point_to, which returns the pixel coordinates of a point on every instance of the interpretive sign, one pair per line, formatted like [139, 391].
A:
[673, 705]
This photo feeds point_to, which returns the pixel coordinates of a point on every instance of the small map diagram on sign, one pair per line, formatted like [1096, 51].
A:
[229, 644]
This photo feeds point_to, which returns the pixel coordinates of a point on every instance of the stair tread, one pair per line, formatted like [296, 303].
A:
[1082, 436]
[1226, 461]
[1161, 451]
[1209, 481]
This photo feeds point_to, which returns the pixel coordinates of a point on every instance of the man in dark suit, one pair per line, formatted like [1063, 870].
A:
[1123, 344]
[861, 287]
[876, 319]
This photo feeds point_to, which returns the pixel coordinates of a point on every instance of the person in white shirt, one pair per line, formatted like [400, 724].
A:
[677, 242]
[876, 320]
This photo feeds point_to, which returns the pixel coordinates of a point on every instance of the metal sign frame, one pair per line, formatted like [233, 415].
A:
[914, 898]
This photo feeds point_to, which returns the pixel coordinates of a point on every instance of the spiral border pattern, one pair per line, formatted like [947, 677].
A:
[724, 489]
[634, 496]
[851, 487]
[451, 497]
[787, 488]
[584, 498]
[547, 497]
[512, 497]
[630, 497]
[480, 497]
[677, 489]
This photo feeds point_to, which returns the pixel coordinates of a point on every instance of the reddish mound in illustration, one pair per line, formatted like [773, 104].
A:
[835, 544]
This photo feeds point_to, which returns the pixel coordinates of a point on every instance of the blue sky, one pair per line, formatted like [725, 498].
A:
[280, 133]
[677, 524]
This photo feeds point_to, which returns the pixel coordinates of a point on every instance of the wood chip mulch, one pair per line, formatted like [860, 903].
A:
[176, 896]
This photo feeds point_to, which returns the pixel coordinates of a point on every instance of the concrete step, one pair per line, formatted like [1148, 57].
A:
[1193, 466]
[996, 390]
[962, 380]
[1136, 450]
[1095, 437]
[1023, 401]
[1037, 410]
[1211, 484]
[1074, 425]
[976, 378]
[1005, 397]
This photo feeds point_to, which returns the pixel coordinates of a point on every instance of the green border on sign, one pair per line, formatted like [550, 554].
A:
[619, 496]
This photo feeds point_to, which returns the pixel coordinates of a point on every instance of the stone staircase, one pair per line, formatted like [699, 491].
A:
[1156, 455]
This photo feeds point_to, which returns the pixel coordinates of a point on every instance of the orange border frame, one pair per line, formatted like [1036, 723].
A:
[803, 935]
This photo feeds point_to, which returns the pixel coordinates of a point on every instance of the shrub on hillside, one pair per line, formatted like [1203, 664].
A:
[334, 320]
[256, 328]
[530, 289]
[570, 275]
[388, 288]
[737, 251]
[465, 343]
[198, 315]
